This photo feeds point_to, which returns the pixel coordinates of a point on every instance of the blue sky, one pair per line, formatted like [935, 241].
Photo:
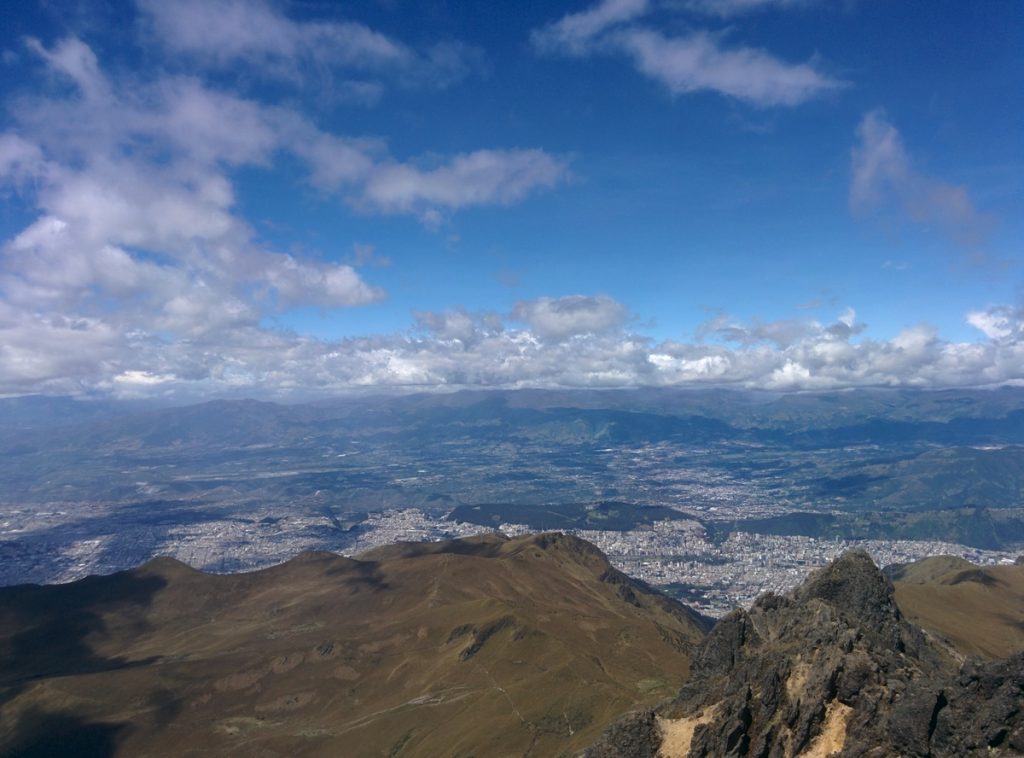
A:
[292, 199]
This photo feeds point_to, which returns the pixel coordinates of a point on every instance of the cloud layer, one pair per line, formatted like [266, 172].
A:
[573, 341]
[137, 248]
[137, 273]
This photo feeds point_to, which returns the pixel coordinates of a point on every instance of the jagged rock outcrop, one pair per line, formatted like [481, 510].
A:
[830, 669]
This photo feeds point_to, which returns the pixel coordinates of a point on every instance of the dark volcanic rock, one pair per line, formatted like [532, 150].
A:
[855, 587]
[831, 669]
[635, 735]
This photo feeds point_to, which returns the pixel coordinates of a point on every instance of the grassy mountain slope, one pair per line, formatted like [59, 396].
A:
[482, 646]
[980, 610]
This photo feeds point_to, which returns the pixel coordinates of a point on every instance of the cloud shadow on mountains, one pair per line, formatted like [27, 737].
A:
[45, 630]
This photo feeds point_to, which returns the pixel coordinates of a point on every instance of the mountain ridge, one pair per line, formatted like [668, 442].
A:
[532, 645]
[482, 646]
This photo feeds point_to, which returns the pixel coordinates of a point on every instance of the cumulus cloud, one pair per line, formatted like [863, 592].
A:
[1002, 323]
[883, 179]
[327, 285]
[139, 275]
[560, 318]
[693, 62]
[51, 353]
[226, 30]
[458, 325]
[573, 341]
[483, 177]
[367, 255]
[783, 333]
[136, 206]
[213, 129]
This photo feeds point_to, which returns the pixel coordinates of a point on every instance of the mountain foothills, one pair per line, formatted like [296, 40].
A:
[504, 647]
[483, 646]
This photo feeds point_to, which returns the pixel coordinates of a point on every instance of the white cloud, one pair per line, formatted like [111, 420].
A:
[458, 324]
[483, 177]
[76, 60]
[222, 33]
[564, 317]
[575, 341]
[136, 208]
[366, 255]
[209, 129]
[142, 377]
[573, 33]
[227, 30]
[213, 127]
[884, 180]
[329, 285]
[698, 61]
[19, 159]
[783, 333]
[138, 274]
[999, 322]
[50, 353]
[137, 229]
[693, 62]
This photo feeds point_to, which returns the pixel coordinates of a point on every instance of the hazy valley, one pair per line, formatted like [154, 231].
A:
[714, 495]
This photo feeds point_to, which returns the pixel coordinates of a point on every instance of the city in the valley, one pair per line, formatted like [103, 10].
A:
[715, 505]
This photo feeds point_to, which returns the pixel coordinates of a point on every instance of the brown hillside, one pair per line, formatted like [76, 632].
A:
[980, 610]
[483, 646]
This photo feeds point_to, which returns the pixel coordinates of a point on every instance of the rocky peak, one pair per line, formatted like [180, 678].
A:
[852, 583]
[831, 668]
[857, 589]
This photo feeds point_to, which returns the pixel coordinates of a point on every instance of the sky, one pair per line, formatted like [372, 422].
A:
[295, 199]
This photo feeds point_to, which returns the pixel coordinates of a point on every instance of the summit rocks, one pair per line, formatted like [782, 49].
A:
[830, 669]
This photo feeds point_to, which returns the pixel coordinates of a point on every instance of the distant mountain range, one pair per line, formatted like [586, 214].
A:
[873, 451]
[816, 418]
[493, 646]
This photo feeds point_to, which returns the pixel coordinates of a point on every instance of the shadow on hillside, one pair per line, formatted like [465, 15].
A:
[360, 575]
[1012, 621]
[54, 735]
[165, 705]
[45, 631]
[127, 528]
